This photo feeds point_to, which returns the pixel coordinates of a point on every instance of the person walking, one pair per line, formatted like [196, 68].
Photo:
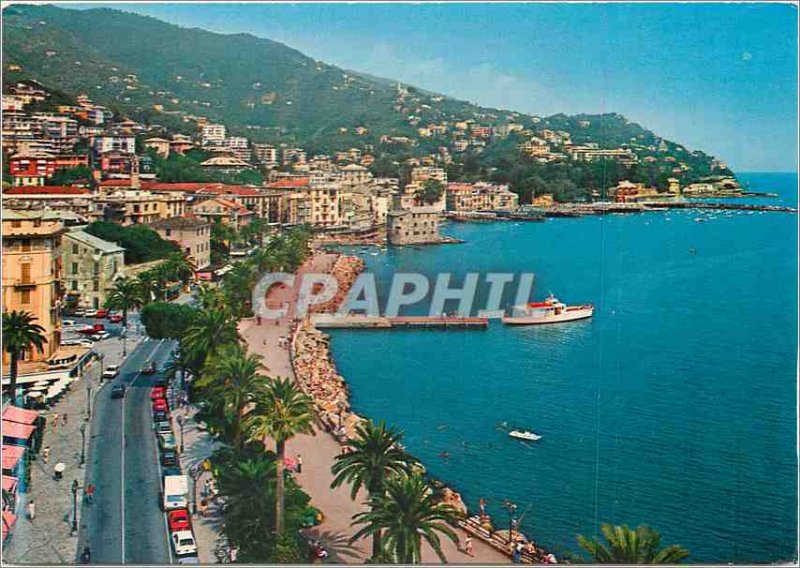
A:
[46, 454]
[31, 511]
[299, 464]
[468, 546]
[90, 493]
[54, 420]
[64, 419]
[517, 553]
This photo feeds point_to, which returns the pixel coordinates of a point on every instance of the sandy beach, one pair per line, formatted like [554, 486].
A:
[318, 451]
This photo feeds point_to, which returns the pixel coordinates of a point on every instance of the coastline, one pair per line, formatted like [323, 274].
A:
[319, 450]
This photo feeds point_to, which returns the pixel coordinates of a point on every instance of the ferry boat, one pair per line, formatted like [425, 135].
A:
[525, 435]
[549, 311]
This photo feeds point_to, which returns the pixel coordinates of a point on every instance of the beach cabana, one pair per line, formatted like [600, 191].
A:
[16, 433]
[10, 484]
[9, 492]
[20, 415]
[11, 457]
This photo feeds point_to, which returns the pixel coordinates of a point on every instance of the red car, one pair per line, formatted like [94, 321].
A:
[157, 393]
[160, 405]
[179, 520]
[115, 318]
[92, 329]
[101, 313]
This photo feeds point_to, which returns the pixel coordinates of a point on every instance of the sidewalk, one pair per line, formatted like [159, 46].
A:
[48, 539]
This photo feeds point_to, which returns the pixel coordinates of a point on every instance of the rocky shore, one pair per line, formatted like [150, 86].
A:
[345, 270]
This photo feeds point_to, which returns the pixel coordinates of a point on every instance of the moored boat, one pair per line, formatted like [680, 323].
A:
[549, 311]
[525, 435]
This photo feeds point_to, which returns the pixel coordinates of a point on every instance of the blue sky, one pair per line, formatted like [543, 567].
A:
[717, 77]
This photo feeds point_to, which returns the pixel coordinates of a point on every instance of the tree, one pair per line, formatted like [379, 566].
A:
[20, 334]
[282, 411]
[70, 176]
[210, 298]
[179, 268]
[374, 456]
[125, 295]
[233, 377]
[431, 191]
[149, 286]
[237, 287]
[166, 320]
[141, 243]
[405, 514]
[628, 546]
[210, 330]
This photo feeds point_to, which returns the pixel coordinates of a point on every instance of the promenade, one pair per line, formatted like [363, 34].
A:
[319, 450]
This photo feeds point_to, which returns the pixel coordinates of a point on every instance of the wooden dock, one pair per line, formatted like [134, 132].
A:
[328, 321]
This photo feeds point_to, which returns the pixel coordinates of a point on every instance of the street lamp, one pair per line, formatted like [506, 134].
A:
[124, 335]
[88, 400]
[511, 508]
[180, 423]
[74, 529]
[83, 443]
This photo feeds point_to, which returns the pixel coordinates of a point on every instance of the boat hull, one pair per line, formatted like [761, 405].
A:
[568, 315]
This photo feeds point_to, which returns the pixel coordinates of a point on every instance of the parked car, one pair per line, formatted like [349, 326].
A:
[191, 559]
[101, 336]
[161, 381]
[115, 318]
[90, 313]
[183, 543]
[160, 405]
[78, 312]
[111, 371]
[162, 427]
[149, 368]
[67, 323]
[158, 392]
[169, 458]
[167, 441]
[101, 313]
[160, 416]
[92, 329]
[118, 391]
[179, 520]
[171, 470]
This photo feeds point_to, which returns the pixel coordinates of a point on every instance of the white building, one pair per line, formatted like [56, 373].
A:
[213, 135]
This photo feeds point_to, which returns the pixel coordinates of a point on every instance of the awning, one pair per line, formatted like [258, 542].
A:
[20, 415]
[10, 484]
[17, 430]
[11, 456]
[9, 519]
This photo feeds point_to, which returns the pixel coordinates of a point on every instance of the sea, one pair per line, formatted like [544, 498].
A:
[675, 406]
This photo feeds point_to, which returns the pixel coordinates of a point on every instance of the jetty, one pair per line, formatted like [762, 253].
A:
[329, 321]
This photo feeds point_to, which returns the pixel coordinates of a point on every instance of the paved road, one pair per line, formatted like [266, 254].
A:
[125, 524]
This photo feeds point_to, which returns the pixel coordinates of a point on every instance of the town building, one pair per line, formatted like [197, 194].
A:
[415, 225]
[134, 206]
[265, 154]
[31, 168]
[90, 267]
[225, 164]
[225, 211]
[56, 197]
[212, 134]
[481, 196]
[103, 143]
[191, 234]
[353, 174]
[32, 273]
[160, 145]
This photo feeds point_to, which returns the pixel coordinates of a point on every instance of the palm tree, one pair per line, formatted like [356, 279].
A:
[374, 456]
[149, 286]
[405, 514]
[283, 410]
[179, 268]
[19, 335]
[249, 490]
[233, 376]
[210, 298]
[126, 294]
[210, 330]
[629, 546]
[238, 286]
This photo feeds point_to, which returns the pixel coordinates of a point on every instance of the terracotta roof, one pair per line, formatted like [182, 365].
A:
[21, 415]
[179, 223]
[225, 203]
[189, 187]
[17, 430]
[12, 455]
[290, 183]
[116, 183]
[46, 190]
[240, 190]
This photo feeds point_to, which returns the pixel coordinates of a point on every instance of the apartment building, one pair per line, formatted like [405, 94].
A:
[191, 234]
[90, 267]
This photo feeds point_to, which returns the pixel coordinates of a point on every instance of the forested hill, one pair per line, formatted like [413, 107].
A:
[161, 73]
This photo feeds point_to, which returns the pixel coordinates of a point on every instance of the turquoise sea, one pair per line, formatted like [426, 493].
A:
[674, 406]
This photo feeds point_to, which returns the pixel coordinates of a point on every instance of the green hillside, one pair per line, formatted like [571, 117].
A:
[159, 73]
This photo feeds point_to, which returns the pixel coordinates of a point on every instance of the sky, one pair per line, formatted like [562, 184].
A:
[721, 78]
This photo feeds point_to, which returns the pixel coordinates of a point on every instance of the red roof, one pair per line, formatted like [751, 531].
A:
[289, 183]
[9, 483]
[189, 187]
[116, 183]
[20, 415]
[240, 190]
[46, 190]
[17, 430]
[12, 455]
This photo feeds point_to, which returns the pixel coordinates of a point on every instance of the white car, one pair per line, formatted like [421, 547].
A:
[183, 543]
[67, 323]
[90, 313]
[111, 371]
[100, 336]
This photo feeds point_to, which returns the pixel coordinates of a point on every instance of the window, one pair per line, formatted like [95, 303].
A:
[26, 245]
[96, 286]
[168, 232]
[26, 272]
[74, 249]
[74, 268]
[74, 285]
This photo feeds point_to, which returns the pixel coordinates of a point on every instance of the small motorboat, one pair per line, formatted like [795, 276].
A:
[525, 435]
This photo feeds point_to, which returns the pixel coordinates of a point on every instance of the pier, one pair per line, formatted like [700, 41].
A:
[328, 321]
